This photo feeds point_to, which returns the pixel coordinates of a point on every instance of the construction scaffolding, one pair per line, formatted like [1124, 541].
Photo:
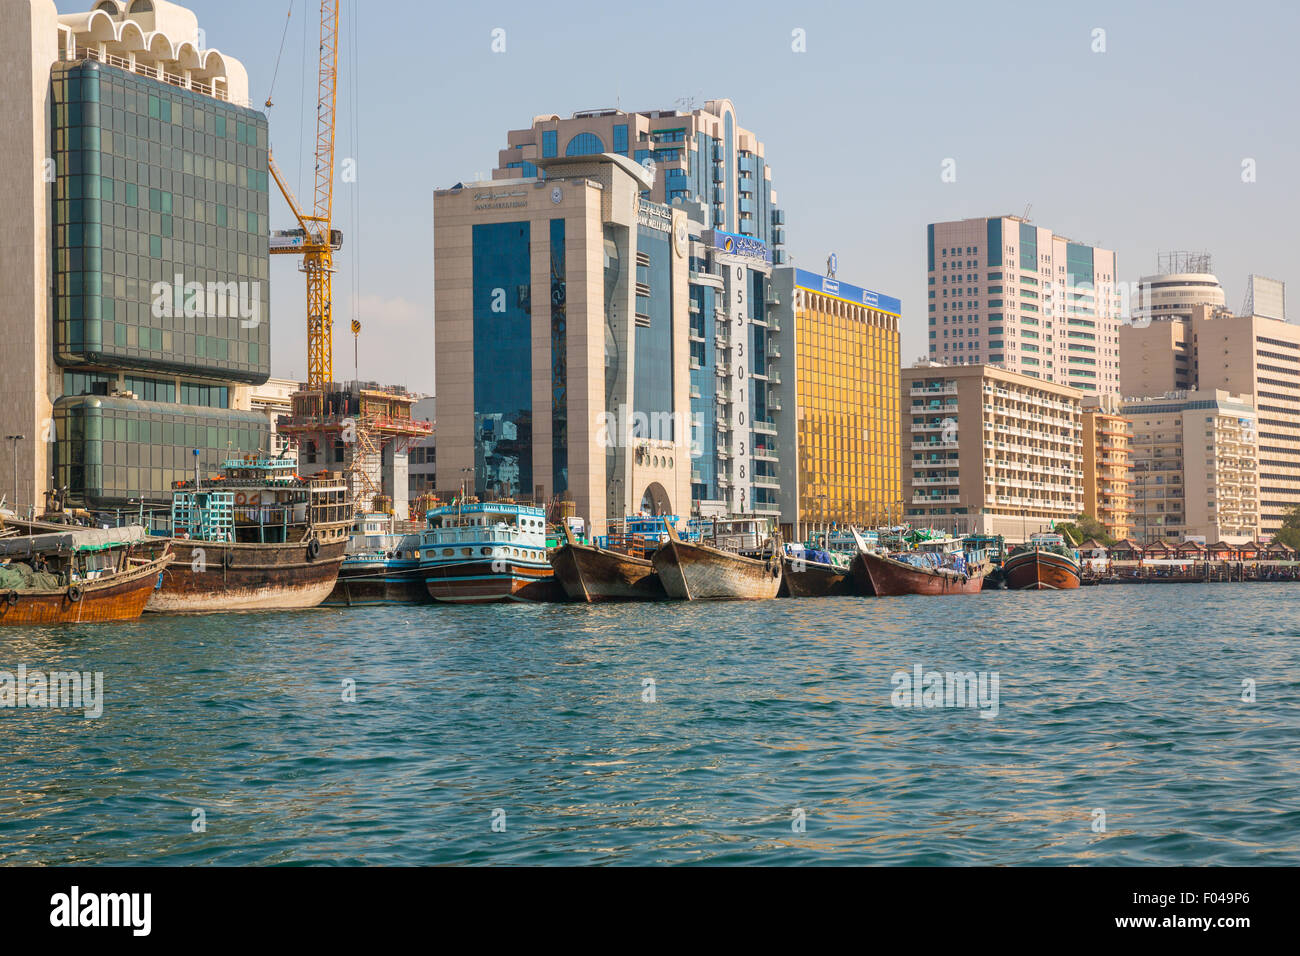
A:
[350, 428]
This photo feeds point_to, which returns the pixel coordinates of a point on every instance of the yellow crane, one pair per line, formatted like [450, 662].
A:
[315, 239]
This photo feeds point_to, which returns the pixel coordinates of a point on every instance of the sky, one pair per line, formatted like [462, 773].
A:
[1137, 139]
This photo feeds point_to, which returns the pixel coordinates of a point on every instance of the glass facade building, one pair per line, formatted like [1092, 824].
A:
[840, 436]
[120, 451]
[160, 269]
[156, 183]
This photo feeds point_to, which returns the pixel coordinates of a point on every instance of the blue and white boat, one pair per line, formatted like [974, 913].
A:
[485, 553]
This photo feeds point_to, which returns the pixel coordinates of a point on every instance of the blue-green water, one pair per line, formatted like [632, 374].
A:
[1122, 699]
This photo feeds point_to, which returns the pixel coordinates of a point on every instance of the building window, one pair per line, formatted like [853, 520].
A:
[584, 144]
[549, 140]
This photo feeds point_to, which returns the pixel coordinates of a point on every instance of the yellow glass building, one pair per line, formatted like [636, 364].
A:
[839, 433]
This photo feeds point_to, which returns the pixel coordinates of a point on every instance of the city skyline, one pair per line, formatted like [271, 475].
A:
[1111, 121]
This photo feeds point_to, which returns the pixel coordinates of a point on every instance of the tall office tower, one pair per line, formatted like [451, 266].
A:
[735, 389]
[702, 155]
[1107, 464]
[1185, 280]
[1005, 292]
[834, 353]
[561, 340]
[1195, 467]
[134, 301]
[990, 451]
[1250, 355]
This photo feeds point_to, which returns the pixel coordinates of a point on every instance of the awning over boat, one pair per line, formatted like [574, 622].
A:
[81, 539]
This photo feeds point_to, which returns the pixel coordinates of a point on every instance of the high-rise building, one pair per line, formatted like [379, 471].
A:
[1107, 464]
[833, 357]
[1185, 280]
[134, 302]
[1008, 293]
[734, 387]
[990, 451]
[1252, 355]
[1195, 467]
[701, 155]
[562, 329]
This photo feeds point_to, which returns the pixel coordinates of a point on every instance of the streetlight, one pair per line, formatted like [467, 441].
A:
[15, 439]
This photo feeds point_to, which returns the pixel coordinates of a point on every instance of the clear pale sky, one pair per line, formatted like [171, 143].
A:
[1138, 148]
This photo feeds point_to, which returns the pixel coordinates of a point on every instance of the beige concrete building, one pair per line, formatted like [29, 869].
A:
[1214, 350]
[990, 451]
[561, 335]
[117, 365]
[1107, 465]
[1008, 293]
[1195, 467]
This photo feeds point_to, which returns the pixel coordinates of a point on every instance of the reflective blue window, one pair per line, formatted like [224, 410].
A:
[549, 140]
[653, 374]
[584, 144]
[503, 402]
[620, 139]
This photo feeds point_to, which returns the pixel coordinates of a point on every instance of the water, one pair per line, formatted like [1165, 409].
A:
[1122, 699]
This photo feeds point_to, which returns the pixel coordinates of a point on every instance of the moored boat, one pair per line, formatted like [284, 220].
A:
[890, 577]
[935, 566]
[56, 575]
[592, 574]
[1046, 563]
[381, 566]
[486, 553]
[739, 560]
[260, 538]
[816, 569]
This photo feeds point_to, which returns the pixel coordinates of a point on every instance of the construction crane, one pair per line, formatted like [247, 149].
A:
[315, 239]
[364, 421]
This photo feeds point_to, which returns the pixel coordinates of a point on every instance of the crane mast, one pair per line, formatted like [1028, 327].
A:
[318, 239]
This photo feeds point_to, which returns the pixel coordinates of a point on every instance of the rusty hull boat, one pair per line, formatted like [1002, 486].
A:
[743, 563]
[261, 538]
[595, 575]
[85, 576]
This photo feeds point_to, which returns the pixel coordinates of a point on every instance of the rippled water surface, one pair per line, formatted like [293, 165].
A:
[1122, 699]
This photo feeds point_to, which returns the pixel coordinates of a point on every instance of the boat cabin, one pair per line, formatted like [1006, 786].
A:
[484, 531]
[261, 500]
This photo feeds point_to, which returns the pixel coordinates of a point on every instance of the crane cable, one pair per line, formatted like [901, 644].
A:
[270, 96]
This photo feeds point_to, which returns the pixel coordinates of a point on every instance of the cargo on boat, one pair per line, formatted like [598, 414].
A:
[735, 560]
[820, 567]
[60, 575]
[381, 566]
[1046, 563]
[933, 567]
[259, 538]
[488, 553]
[595, 574]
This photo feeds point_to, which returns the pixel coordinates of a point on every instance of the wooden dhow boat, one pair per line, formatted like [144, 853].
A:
[936, 567]
[823, 566]
[740, 561]
[591, 574]
[64, 575]
[259, 538]
[1046, 563]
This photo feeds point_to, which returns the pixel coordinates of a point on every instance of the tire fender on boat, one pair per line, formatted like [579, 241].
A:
[313, 549]
[12, 598]
[74, 594]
